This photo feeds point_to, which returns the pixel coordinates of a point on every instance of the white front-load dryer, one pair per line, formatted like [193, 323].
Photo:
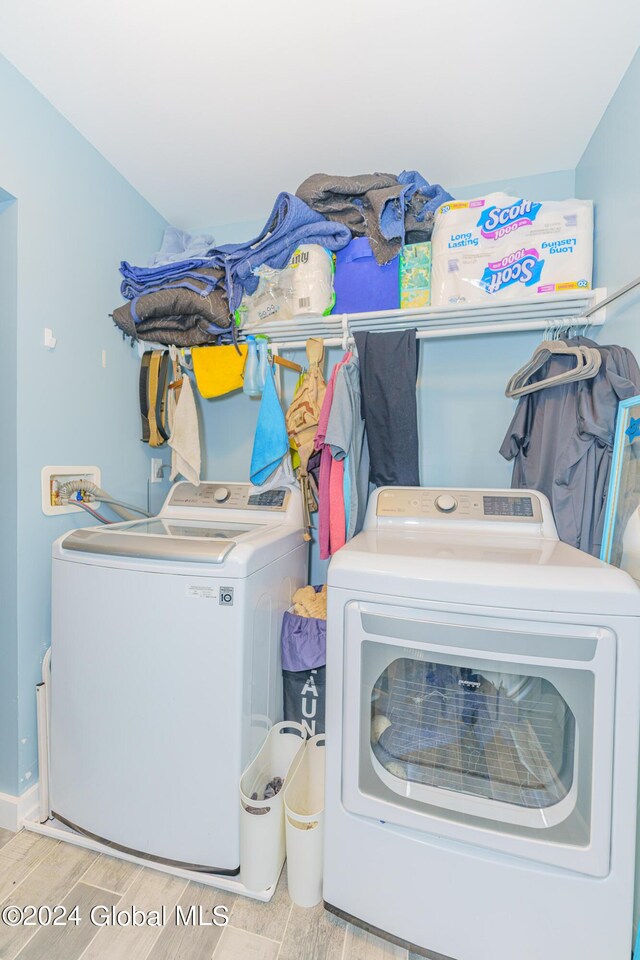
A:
[482, 731]
[165, 668]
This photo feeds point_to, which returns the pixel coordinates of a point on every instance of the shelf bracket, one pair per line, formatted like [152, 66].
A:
[346, 333]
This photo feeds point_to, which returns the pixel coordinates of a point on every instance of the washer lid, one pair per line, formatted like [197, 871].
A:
[194, 541]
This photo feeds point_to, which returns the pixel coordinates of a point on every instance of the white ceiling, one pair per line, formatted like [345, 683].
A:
[211, 107]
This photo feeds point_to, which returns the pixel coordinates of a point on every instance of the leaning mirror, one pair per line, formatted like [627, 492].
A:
[621, 537]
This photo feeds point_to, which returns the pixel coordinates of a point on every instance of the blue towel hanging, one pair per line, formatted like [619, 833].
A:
[271, 441]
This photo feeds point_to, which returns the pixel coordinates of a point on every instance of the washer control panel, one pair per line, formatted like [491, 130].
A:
[230, 496]
[430, 503]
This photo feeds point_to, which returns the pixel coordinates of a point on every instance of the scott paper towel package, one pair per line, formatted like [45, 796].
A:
[508, 248]
[304, 288]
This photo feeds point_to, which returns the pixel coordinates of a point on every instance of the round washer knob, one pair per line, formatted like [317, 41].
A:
[221, 494]
[446, 503]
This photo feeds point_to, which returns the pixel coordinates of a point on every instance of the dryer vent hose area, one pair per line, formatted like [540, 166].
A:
[75, 491]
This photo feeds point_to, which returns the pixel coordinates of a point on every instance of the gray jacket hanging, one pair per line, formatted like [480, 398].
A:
[561, 441]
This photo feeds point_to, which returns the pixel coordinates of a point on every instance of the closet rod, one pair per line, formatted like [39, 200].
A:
[444, 332]
[614, 296]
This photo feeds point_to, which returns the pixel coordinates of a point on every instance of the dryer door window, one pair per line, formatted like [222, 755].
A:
[510, 738]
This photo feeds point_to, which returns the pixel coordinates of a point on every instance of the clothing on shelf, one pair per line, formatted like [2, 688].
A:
[561, 440]
[302, 420]
[326, 466]
[290, 223]
[153, 387]
[337, 511]
[389, 209]
[346, 490]
[282, 476]
[388, 374]
[219, 370]
[343, 482]
[346, 439]
[176, 315]
[200, 276]
[313, 471]
[178, 245]
[185, 434]
[271, 441]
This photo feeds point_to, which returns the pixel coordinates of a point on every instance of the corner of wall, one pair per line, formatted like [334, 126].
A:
[608, 174]
[8, 496]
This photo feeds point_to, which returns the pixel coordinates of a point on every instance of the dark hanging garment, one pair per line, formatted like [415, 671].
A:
[561, 441]
[388, 374]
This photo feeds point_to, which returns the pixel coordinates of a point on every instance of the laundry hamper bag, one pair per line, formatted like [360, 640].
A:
[262, 838]
[304, 654]
[304, 815]
[304, 698]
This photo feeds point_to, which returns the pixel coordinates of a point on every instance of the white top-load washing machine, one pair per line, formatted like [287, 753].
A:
[165, 668]
[482, 731]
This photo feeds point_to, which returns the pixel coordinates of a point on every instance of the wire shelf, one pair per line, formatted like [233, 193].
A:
[539, 313]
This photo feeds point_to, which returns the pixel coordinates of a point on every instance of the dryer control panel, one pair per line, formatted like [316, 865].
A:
[431, 503]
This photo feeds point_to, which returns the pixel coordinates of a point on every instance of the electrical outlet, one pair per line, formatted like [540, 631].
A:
[52, 478]
[157, 470]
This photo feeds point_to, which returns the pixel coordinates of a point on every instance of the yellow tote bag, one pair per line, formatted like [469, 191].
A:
[219, 370]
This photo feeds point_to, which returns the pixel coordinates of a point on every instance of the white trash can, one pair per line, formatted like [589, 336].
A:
[304, 813]
[262, 838]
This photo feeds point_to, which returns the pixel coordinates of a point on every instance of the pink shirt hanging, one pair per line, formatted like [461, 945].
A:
[329, 498]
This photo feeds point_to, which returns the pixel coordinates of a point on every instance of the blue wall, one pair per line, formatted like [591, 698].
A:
[557, 185]
[8, 498]
[77, 218]
[608, 172]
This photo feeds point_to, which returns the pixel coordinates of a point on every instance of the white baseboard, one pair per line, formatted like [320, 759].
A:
[14, 810]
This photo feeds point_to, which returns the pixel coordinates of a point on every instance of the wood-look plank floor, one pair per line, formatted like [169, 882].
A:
[37, 871]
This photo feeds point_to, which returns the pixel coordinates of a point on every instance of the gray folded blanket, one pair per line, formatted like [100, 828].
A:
[390, 210]
[175, 315]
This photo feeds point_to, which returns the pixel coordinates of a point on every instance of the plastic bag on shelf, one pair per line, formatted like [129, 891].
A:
[304, 288]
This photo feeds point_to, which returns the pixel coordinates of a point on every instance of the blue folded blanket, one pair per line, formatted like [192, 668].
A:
[291, 223]
[178, 246]
[140, 280]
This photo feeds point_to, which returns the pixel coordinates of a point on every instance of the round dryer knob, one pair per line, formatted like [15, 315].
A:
[221, 494]
[446, 503]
